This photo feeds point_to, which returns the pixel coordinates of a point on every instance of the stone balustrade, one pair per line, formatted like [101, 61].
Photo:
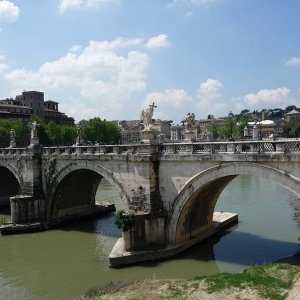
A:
[236, 147]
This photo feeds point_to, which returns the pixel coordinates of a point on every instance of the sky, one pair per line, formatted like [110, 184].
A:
[112, 58]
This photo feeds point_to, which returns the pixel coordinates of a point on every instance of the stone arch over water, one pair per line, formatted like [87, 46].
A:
[74, 187]
[10, 183]
[192, 210]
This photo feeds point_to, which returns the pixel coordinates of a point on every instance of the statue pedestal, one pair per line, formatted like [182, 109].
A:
[12, 145]
[147, 137]
[189, 136]
[34, 142]
[79, 141]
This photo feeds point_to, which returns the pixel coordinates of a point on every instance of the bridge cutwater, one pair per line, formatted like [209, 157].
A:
[171, 187]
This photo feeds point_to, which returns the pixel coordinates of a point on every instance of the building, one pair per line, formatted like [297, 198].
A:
[32, 103]
[163, 127]
[267, 128]
[292, 116]
[177, 132]
[202, 128]
[131, 129]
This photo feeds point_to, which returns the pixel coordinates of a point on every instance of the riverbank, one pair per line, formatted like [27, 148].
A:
[270, 281]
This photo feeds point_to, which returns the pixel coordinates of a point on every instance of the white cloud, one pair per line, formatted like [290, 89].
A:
[9, 12]
[209, 98]
[190, 2]
[159, 41]
[3, 67]
[294, 61]
[97, 75]
[270, 97]
[75, 48]
[67, 4]
[172, 104]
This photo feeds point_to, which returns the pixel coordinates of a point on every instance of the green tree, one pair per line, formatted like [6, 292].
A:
[291, 130]
[20, 128]
[102, 131]
[214, 129]
[242, 123]
[53, 132]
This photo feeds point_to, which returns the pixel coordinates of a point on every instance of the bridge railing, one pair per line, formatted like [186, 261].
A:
[236, 147]
[92, 149]
[285, 146]
[13, 151]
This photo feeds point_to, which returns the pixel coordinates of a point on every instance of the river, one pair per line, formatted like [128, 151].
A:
[66, 262]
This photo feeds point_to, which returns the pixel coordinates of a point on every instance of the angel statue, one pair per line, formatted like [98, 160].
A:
[33, 126]
[146, 116]
[12, 136]
[190, 121]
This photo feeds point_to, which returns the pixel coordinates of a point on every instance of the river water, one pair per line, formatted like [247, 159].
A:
[66, 262]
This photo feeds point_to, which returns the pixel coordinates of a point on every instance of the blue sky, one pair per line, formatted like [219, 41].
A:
[111, 58]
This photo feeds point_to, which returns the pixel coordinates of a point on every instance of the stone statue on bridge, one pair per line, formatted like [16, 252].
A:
[12, 135]
[146, 117]
[190, 121]
[33, 127]
[34, 140]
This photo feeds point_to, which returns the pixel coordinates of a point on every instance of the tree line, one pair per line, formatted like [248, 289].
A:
[52, 134]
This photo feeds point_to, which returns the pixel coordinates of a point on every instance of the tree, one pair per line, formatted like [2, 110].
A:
[96, 130]
[290, 108]
[291, 130]
[242, 123]
[20, 128]
[245, 111]
[214, 129]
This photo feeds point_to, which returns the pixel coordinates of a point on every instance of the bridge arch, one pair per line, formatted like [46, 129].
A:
[78, 179]
[10, 182]
[192, 210]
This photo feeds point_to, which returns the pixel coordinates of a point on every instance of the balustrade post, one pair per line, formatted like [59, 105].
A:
[231, 148]
[78, 150]
[280, 147]
[170, 149]
[254, 147]
[116, 149]
[67, 150]
[208, 148]
[102, 149]
[189, 148]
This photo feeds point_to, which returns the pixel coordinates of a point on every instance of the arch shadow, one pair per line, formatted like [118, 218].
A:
[77, 182]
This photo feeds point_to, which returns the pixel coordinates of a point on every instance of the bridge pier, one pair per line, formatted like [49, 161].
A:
[147, 231]
[121, 256]
[25, 209]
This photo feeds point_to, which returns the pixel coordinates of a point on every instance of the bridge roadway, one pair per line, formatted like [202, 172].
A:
[171, 188]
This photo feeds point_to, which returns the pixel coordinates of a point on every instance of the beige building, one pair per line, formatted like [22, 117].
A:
[266, 128]
[292, 116]
[32, 103]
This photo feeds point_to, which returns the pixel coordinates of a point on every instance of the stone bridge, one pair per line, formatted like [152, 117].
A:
[172, 189]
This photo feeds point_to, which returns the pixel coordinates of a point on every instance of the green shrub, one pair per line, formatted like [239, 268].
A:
[123, 220]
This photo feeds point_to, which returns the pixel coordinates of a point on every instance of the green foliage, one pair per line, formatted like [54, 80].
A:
[214, 129]
[242, 122]
[20, 128]
[155, 133]
[291, 130]
[102, 131]
[269, 280]
[123, 220]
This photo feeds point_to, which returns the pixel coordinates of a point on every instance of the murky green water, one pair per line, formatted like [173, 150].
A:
[65, 263]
